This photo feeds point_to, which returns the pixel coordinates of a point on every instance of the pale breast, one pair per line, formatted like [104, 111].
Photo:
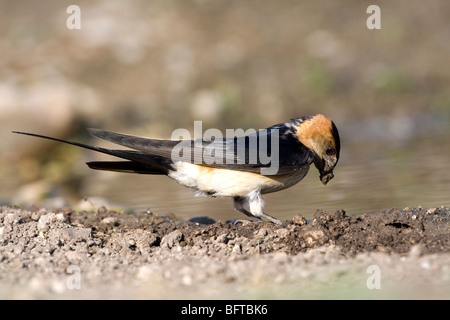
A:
[231, 183]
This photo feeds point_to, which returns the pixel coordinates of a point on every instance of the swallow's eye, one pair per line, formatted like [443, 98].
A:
[330, 151]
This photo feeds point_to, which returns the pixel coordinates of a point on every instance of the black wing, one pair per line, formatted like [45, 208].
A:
[275, 146]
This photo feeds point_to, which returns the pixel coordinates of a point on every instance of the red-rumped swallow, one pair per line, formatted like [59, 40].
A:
[238, 170]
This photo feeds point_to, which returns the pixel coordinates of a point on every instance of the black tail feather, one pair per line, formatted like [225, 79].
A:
[82, 145]
[138, 162]
[123, 166]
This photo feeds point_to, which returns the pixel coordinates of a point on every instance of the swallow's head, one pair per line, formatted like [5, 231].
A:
[319, 134]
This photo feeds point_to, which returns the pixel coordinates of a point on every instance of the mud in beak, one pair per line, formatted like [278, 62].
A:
[326, 177]
[326, 169]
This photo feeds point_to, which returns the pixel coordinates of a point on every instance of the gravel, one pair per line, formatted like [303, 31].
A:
[65, 254]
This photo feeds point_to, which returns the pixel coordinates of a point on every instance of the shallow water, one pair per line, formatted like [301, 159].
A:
[369, 177]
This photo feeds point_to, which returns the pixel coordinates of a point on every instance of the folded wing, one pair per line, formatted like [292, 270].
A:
[274, 146]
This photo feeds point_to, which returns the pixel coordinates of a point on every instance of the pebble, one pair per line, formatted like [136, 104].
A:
[416, 251]
[109, 220]
[283, 232]
[172, 239]
[237, 248]
[299, 220]
[262, 232]
[49, 218]
[222, 238]
[11, 218]
[75, 233]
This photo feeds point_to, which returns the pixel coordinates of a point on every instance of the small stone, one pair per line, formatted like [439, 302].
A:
[339, 214]
[45, 221]
[102, 210]
[237, 248]
[282, 233]
[11, 218]
[172, 239]
[109, 220]
[222, 238]
[416, 251]
[261, 232]
[75, 233]
[299, 220]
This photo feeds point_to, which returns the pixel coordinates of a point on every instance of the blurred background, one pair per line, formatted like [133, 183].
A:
[149, 67]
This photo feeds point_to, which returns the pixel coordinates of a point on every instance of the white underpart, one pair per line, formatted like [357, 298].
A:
[230, 183]
[245, 187]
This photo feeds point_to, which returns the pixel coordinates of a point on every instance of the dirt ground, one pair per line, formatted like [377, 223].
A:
[65, 254]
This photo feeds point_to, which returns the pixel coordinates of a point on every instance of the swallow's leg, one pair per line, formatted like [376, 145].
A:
[256, 204]
[240, 203]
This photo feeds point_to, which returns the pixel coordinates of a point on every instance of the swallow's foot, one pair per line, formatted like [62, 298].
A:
[271, 219]
[256, 208]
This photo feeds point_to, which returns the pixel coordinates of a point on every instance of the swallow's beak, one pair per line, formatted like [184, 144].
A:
[325, 168]
[326, 177]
